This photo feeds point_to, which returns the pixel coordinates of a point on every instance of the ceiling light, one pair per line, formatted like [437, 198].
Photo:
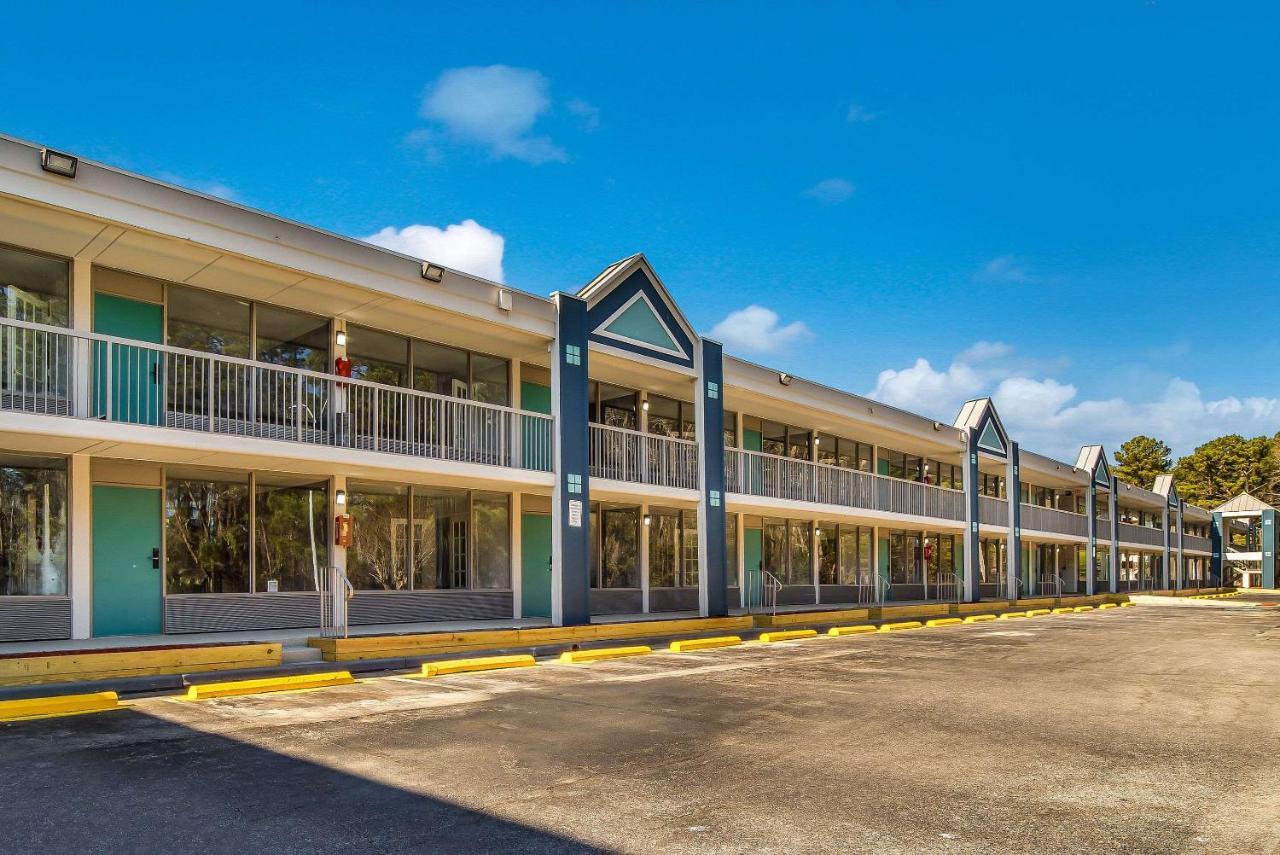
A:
[58, 163]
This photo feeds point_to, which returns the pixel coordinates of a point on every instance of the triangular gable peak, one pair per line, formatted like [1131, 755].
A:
[1166, 487]
[1243, 503]
[629, 309]
[1093, 459]
[981, 416]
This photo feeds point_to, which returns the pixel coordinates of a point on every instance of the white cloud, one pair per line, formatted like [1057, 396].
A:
[208, 188]
[1004, 268]
[984, 351]
[758, 329]
[588, 114]
[831, 190]
[466, 246]
[496, 106]
[1046, 414]
[857, 114]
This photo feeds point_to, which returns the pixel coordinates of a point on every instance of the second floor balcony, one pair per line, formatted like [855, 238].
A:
[54, 371]
[1141, 534]
[1054, 521]
[755, 473]
[620, 454]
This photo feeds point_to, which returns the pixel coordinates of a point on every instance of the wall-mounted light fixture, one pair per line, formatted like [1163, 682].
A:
[504, 299]
[340, 338]
[58, 163]
[644, 405]
[431, 272]
[340, 498]
[647, 519]
[784, 378]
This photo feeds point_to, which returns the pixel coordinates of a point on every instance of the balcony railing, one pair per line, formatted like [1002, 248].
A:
[1142, 534]
[1199, 544]
[643, 458]
[1037, 518]
[758, 474]
[51, 370]
[993, 511]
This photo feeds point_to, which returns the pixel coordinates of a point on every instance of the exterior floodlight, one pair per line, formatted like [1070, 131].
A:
[58, 163]
[784, 378]
[431, 272]
[504, 299]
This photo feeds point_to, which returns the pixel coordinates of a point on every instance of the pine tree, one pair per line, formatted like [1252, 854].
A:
[1140, 459]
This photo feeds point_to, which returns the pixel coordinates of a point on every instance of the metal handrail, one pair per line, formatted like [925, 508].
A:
[333, 605]
[53, 370]
[771, 586]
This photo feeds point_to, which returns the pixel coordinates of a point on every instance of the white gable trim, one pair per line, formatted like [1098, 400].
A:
[602, 329]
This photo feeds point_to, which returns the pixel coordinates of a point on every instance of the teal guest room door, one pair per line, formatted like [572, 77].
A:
[127, 587]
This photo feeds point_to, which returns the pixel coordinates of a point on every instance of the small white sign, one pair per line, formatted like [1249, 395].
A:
[273, 586]
[575, 513]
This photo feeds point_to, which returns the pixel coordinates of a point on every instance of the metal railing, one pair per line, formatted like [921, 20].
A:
[946, 589]
[643, 458]
[1038, 518]
[993, 511]
[1199, 544]
[50, 370]
[761, 591]
[755, 473]
[1145, 535]
[336, 591]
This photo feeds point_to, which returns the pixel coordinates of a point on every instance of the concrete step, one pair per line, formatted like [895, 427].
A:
[296, 655]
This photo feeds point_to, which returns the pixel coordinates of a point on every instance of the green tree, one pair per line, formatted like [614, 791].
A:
[1227, 466]
[1140, 459]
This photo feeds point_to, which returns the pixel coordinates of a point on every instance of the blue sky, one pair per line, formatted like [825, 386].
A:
[1073, 207]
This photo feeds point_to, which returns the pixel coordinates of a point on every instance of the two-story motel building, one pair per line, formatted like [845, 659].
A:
[194, 396]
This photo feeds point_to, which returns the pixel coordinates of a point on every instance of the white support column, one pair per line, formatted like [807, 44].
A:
[742, 543]
[337, 554]
[80, 566]
[815, 562]
[517, 565]
[875, 562]
[644, 556]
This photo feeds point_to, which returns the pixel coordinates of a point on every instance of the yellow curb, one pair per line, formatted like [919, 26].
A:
[690, 645]
[1107, 606]
[1065, 610]
[1127, 605]
[483, 663]
[1037, 612]
[838, 631]
[979, 618]
[906, 624]
[235, 688]
[582, 657]
[58, 706]
[1084, 608]
[946, 621]
[787, 635]
[1012, 615]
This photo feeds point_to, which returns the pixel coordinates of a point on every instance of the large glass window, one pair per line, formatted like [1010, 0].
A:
[206, 536]
[619, 548]
[664, 546]
[614, 406]
[731, 549]
[378, 557]
[291, 534]
[440, 526]
[800, 569]
[376, 356]
[294, 339]
[828, 539]
[33, 287]
[669, 417]
[440, 369]
[491, 556]
[33, 527]
[208, 322]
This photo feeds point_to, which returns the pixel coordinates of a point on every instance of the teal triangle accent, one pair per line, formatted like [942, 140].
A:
[639, 322]
[1102, 474]
[990, 438]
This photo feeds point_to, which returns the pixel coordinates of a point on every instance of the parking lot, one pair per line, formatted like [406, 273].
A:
[1152, 729]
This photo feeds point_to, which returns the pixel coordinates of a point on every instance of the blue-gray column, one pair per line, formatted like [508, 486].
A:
[571, 500]
[1269, 548]
[713, 594]
[1219, 551]
[1167, 547]
[1013, 488]
[1114, 507]
[1091, 524]
[972, 560]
